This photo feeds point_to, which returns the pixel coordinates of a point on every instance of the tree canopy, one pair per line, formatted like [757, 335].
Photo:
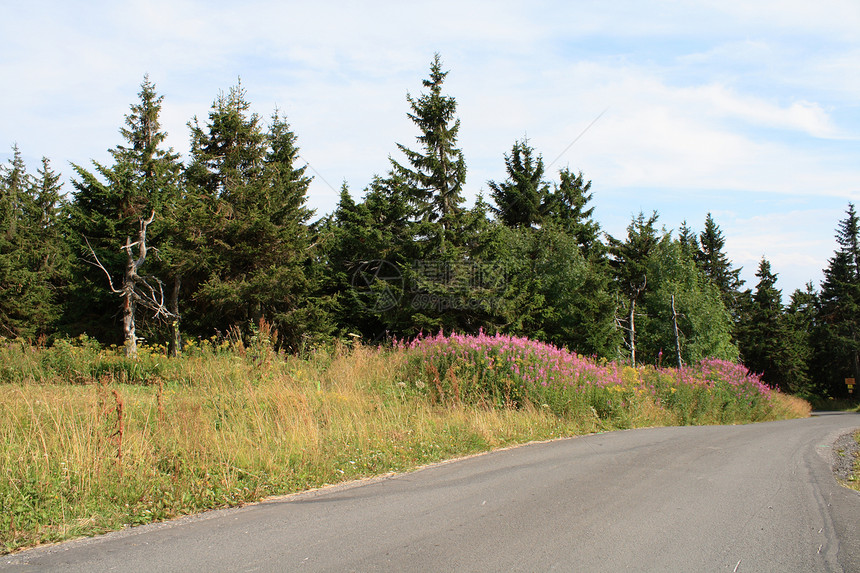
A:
[225, 239]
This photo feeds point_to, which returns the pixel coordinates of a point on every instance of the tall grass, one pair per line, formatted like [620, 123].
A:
[92, 441]
[218, 427]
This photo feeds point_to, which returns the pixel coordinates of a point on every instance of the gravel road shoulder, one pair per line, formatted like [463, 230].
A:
[845, 452]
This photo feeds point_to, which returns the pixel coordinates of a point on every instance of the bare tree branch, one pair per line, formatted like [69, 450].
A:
[136, 290]
[99, 264]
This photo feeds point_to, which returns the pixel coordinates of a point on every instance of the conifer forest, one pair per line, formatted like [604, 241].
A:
[156, 247]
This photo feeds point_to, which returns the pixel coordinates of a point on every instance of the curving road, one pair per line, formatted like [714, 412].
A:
[720, 498]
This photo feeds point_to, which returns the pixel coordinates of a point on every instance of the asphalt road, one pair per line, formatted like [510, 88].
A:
[721, 498]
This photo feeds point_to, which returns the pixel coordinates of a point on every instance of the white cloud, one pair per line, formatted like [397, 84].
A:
[837, 19]
[792, 241]
[751, 98]
[654, 134]
[808, 117]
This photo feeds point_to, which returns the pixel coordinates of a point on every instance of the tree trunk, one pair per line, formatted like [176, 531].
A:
[135, 289]
[128, 309]
[677, 337]
[632, 332]
[855, 355]
[175, 345]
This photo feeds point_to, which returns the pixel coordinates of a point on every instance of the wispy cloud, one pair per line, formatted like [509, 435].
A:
[726, 105]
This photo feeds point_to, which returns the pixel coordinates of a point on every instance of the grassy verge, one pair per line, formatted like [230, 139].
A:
[91, 441]
[853, 480]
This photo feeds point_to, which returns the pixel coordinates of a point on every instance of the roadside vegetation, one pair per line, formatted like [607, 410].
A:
[852, 480]
[91, 440]
[855, 483]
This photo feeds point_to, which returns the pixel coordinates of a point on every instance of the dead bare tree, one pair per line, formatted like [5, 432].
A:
[677, 335]
[136, 290]
[174, 347]
[636, 291]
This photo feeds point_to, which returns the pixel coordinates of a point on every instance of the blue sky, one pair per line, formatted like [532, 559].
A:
[749, 110]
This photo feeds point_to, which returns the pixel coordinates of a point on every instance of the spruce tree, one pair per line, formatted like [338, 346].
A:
[525, 198]
[348, 230]
[249, 211]
[801, 317]
[766, 342]
[16, 275]
[566, 206]
[115, 211]
[15, 181]
[47, 198]
[629, 261]
[840, 308]
[289, 282]
[520, 200]
[227, 153]
[366, 263]
[51, 256]
[435, 175]
[226, 160]
[715, 263]
[689, 242]
[34, 262]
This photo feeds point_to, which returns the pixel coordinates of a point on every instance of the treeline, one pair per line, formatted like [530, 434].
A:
[152, 247]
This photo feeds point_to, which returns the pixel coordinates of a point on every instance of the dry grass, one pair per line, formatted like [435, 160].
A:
[787, 406]
[84, 458]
